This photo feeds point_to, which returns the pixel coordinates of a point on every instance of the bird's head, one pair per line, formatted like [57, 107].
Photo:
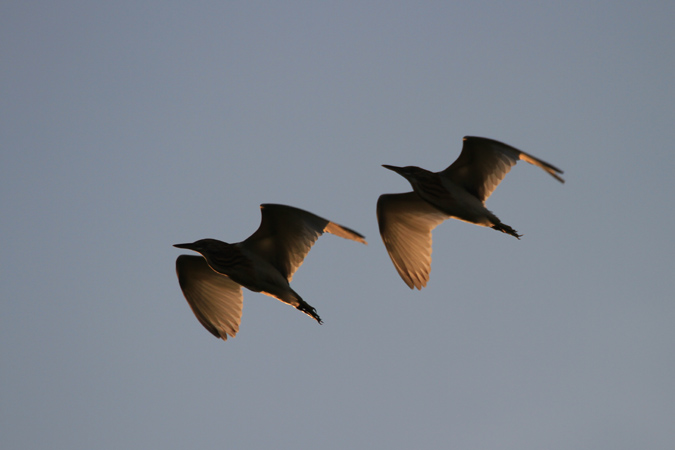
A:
[411, 173]
[204, 246]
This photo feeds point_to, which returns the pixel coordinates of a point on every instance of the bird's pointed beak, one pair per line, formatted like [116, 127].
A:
[394, 168]
[186, 246]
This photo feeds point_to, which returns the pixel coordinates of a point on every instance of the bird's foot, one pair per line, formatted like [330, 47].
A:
[310, 311]
[507, 229]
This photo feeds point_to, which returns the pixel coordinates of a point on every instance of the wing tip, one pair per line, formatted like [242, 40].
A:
[344, 232]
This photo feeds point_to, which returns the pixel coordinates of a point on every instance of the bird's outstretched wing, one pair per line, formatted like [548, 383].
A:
[214, 298]
[406, 222]
[484, 163]
[286, 234]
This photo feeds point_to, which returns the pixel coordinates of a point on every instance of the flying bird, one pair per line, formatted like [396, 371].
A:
[265, 262]
[459, 192]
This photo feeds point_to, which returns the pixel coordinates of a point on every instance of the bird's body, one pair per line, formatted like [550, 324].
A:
[459, 192]
[449, 198]
[265, 263]
[248, 269]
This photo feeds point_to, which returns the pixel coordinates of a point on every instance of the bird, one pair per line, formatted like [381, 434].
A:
[406, 220]
[265, 262]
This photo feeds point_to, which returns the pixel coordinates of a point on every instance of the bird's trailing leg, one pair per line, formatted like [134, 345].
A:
[506, 229]
[292, 298]
[308, 309]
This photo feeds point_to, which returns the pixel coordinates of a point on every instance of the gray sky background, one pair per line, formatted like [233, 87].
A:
[127, 127]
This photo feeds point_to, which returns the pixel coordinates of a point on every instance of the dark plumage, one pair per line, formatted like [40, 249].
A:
[459, 192]
[265, 262]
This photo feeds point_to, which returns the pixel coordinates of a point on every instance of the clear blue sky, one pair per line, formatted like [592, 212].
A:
[127, 127]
